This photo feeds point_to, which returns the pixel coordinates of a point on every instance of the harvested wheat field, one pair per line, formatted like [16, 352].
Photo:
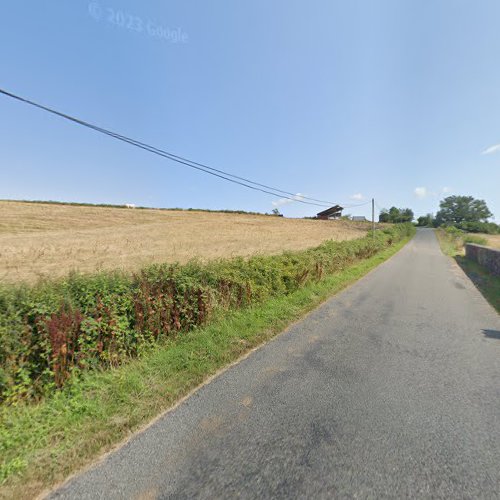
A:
[493, 240]
[50, 240]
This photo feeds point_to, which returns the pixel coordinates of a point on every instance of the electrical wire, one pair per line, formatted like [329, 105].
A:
[359, 205]
[184, 161]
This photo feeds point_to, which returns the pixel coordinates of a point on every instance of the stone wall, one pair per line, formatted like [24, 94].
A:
[485, 256]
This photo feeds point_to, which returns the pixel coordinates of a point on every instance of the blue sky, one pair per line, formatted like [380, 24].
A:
[338, 100]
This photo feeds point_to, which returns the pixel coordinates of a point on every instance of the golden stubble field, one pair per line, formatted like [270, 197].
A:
[493, 239]
[48, 241]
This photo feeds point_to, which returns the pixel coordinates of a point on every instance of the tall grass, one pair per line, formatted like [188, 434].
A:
[52, 332]
[453, 240]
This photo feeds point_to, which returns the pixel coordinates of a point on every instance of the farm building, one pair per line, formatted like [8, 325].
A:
[330, 213]
[359, 218]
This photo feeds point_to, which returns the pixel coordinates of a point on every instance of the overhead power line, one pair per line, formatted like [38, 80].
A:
[358, 205]
[179, 159]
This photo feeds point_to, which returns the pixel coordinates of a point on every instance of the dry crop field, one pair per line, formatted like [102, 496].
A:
[493, 239]
[50, 240]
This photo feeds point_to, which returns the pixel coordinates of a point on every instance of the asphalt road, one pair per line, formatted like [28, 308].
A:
[389, 390]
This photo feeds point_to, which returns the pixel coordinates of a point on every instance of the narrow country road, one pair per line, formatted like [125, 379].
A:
[391, 389]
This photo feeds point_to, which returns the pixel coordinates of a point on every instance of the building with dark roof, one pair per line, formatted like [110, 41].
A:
[330, 213]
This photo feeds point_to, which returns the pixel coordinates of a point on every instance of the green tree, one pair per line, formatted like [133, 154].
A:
[383, 216]
[425, 220]
[406, 215]
[395, 215]
[457, 209]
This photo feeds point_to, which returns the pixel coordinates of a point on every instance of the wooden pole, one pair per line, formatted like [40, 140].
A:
[373, 217]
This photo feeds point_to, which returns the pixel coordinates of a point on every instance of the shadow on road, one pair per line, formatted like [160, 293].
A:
[492, 334]
[484, 281]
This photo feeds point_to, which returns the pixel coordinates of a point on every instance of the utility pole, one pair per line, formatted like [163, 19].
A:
[373, 217]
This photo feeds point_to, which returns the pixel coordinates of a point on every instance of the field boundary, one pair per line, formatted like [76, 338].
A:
[128, 206]
[485, 256]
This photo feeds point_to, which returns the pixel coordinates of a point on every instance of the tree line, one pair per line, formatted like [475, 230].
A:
[463, 212]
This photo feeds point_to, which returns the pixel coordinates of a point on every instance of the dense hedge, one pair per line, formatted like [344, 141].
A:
[55, 330]
[479, 227]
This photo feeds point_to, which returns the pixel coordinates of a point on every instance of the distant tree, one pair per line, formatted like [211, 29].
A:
[422, 221]
[425, 220]
[407, 215]
[383, 216]
[275, 211]
[395, 215]
[455, 210]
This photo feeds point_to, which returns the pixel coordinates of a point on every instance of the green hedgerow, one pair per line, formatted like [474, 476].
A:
[53, 331]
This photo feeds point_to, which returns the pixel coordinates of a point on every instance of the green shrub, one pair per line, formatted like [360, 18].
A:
[478, 240]
[53, 331]
[457, 238]
[454, 231]
[473, 227]
[480, 227]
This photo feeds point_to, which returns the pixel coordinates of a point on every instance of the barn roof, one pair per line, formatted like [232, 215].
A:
[331, 211]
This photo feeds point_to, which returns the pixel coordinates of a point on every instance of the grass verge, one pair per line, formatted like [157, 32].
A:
[448, 243]
[42, 444]
[485, 282]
